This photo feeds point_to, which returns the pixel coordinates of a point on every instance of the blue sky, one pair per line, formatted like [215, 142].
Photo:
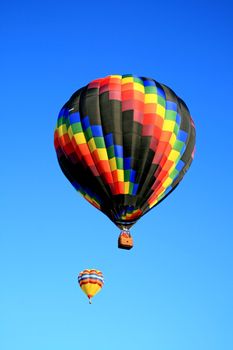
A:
[174, 290]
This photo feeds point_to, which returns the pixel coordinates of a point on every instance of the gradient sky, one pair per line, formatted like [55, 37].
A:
[174, 290]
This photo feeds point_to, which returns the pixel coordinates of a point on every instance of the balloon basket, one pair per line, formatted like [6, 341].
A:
[125, 240]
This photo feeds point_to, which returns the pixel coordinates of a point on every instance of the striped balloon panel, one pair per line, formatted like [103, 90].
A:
[91, 281]
[125, 142]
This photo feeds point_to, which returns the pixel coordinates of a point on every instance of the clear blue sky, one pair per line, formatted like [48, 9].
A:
[174, 290]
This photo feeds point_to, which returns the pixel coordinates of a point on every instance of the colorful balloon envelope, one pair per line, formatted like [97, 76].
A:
[91, 281]
[125, 143]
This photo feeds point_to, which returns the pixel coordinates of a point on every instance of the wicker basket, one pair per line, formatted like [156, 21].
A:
[125, 240]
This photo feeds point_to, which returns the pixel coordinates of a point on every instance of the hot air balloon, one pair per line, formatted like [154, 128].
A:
[125, 143]
[91, 281]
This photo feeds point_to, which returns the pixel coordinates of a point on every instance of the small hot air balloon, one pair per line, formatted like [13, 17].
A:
[91, 281]
[125, 142]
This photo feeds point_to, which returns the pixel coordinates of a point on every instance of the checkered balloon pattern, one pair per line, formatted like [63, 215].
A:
[124, 142]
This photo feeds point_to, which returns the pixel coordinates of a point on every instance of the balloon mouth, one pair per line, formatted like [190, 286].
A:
[89, 297]
[125, 224]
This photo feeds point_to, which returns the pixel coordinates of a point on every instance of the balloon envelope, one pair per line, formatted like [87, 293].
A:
[91, 281]
[125, 143]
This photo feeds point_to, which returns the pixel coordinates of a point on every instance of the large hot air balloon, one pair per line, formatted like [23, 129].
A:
[125, 143]
[91, 281]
